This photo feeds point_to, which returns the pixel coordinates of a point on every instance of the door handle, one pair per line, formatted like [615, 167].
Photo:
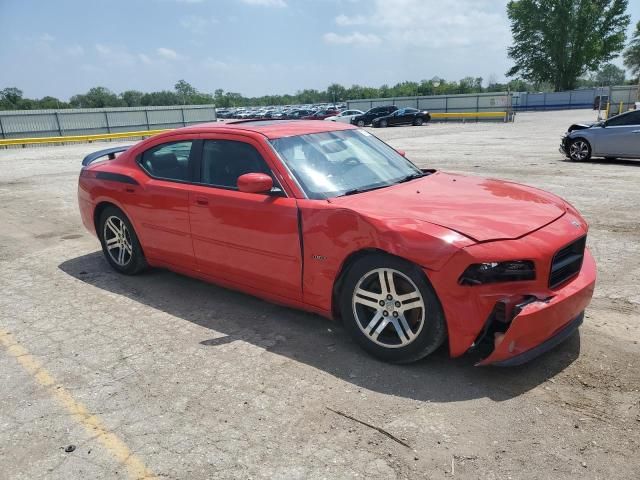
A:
[202, 201]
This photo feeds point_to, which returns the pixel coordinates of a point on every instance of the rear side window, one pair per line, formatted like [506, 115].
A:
[223, 161]
[169, 161]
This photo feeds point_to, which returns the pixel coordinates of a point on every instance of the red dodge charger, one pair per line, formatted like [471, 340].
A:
[325, 217]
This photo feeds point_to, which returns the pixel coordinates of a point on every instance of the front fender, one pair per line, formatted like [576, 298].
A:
[331, 235]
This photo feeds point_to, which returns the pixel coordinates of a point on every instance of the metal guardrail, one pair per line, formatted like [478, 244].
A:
[80, 138]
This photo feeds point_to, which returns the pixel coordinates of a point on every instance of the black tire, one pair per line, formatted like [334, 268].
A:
[579, 150]
[133, 261]
[360, 123]
[418, 121]
[383, 124]
[426, 321]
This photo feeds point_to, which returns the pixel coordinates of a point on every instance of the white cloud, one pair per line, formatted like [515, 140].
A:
[213, 64]
[345, 21]
[115, 55]
[266, 3]
[45, 37]
[167, 53]
[103, 49]
[435, 23]
[145, 59]
[197, 25]
[74, 50]
[356, 38]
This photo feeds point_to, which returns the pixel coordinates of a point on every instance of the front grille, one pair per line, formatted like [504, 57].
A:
[567, 262]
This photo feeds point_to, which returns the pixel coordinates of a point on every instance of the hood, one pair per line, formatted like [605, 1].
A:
[581, 126]
[481, 209]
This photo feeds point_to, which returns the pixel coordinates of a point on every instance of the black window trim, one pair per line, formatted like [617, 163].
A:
[194, 154]
[198, 171]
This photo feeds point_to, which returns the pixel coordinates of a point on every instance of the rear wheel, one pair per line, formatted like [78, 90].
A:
[382, 124]
[391, 310]
[120, 243]
[418, 121]
[360, 123]
[579, 150]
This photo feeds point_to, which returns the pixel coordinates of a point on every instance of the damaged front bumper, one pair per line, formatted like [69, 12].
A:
[544, 323]
[564, 145]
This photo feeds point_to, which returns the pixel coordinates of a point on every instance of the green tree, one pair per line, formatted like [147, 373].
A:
[10, 98]
[632, 53]
[609, 74]
[557, 41]
[185, 91]
[133, 98]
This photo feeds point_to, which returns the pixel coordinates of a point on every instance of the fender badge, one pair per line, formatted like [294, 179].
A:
[318, 257]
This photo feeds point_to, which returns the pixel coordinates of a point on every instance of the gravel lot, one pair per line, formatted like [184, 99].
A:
[164, 375]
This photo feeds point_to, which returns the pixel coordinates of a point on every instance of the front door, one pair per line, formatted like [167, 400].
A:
[621, 136]
[250, 239]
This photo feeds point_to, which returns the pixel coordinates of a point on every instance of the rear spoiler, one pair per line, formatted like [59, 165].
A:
[111, 152]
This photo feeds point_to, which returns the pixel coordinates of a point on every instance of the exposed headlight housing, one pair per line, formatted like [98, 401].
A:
[494, 272]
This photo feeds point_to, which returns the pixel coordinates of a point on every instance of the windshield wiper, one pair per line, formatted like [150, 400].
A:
[412, 176]
[353, 191]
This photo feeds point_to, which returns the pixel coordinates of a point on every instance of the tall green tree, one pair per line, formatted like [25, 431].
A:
[557, 41]
[185, 91]
[609, 74]
[632, 53]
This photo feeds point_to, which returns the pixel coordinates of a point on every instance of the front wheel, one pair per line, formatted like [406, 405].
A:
[360, 123]
[382, 124]
[579, 150]
[120, 243]
[418, 121]
[391, 310]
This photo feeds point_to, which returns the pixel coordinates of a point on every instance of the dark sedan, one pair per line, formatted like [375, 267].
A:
[404, 116]
[368, 117]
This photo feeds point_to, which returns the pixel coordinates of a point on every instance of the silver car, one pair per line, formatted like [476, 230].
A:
[617, 137]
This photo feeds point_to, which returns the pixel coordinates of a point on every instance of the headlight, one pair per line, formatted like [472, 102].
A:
[493, 272]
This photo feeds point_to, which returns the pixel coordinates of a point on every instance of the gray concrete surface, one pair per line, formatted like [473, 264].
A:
[202, 382]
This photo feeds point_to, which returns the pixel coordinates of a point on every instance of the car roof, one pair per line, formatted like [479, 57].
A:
[271, 129]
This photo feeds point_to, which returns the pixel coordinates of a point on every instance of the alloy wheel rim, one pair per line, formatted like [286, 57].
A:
[118, 240]
[579, 150]
[388, 308]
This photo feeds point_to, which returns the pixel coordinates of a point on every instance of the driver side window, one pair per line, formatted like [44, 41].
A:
[628, 119]
[223, 161]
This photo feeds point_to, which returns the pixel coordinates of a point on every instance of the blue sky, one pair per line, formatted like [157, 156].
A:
[254, 47]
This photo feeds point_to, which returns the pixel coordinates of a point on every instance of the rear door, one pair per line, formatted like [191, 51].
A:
[251, 239]
[161, 206]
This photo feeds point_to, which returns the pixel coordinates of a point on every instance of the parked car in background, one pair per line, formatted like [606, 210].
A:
[367, 117]
[321, 115]
[403, 116]
[600, 102]
[618, 136]
[299, 114]
[344, 116]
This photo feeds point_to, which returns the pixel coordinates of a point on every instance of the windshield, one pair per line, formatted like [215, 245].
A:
[332, 164]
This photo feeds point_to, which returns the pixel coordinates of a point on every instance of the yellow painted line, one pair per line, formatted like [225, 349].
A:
[80, 138]
[94, 426]
[469, 115]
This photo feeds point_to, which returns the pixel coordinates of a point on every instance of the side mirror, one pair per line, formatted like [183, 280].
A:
[255, 183]
[401, 152]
